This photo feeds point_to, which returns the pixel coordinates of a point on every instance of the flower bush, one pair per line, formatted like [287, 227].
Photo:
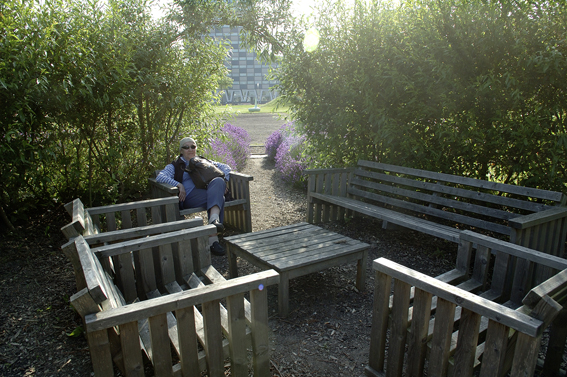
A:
[285, 147]
[232, 147]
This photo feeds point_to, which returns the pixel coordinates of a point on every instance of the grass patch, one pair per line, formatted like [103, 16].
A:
[274, 106]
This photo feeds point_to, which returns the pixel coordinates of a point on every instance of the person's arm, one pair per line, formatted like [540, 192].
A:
[225, 169]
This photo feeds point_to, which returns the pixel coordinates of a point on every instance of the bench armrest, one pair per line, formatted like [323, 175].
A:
[551, 224]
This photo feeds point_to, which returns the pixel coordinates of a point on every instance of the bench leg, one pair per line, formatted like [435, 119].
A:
[232, 267]
[283, 294]
[361, 272]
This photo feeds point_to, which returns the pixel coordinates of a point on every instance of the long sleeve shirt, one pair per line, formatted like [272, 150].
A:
[167, 174]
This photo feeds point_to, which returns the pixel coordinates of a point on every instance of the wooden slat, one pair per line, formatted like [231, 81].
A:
[512, 189]
[442, 332]
[380, 313]
[465, 299]
[260, 331]
[237, 335]
[398, 330]
[494, 348]
[132, 205]
[188, 346]
[172, 302]
[101, 358]
[447, 215]
[213, 338]
[397, 218]
[162, 359]
[417, 345]
[465, 352]
[131, 353]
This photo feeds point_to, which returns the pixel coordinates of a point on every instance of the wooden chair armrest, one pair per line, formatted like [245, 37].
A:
[163, 188]
[515, 250]
[241, 176]
[538, 218]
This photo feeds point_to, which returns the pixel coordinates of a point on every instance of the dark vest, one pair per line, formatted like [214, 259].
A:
[179, 166]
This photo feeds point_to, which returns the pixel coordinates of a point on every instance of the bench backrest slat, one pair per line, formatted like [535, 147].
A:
[456, 217]
[473, 182]
[451, 192]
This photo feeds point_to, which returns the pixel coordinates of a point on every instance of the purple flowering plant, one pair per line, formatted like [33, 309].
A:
[285, 147]
[232, 147]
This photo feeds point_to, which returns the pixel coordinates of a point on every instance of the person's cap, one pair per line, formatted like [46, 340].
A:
[186, 140]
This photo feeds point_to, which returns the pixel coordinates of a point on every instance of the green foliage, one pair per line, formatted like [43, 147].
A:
[95, 95]
[471, 88]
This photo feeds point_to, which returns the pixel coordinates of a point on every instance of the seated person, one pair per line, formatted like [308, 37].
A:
[211, 198]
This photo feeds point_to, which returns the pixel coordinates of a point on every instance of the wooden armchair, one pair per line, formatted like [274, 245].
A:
[487, 314]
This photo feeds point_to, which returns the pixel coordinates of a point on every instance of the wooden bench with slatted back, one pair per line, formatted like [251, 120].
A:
[120, 222]
[154, 322]
[486, 285]
[439, 204]
[237, 211]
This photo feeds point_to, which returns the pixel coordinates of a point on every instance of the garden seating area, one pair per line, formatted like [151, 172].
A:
[142, 288]
[152, 302]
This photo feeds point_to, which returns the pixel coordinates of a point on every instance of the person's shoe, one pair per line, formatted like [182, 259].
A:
[217, 249]
[218, 224]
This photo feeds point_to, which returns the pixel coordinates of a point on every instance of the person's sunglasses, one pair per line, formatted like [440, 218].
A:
[189, 147]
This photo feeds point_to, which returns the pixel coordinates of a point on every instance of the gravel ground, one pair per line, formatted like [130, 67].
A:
[326, 333]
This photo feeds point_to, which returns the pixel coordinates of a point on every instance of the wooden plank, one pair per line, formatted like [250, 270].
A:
[424, 209]
[162, 359]
[525, 355]
[465, 299]
[213, 338]
[549, 287]
[131, 353]
[435, 199]
[537, 218]
[417, 344]
[394, 217]
[260, 331]
[99, 348]
[155, 241]
[481, 265]
[380, 313]
[188, 346]
[132, 205]
[237, 335]
[515, 250]
[398, 329]
[441, 342]
[495, 348]
[466, 345]
[488, 185]
[142, 231]
[172, 302]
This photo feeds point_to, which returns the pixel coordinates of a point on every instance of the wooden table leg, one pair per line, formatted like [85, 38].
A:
[283, 294]
[232, 267]
[361, 272]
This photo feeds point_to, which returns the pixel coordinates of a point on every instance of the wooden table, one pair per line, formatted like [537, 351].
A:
[296, 250]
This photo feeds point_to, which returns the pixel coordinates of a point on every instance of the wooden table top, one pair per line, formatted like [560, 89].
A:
[294, 246]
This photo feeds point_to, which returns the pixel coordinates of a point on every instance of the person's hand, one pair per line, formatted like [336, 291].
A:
[181, 192]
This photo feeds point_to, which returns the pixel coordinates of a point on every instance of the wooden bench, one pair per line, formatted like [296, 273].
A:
[179, 324]
[236, 212]
[487, 314]
[120, 222]
[439, 204]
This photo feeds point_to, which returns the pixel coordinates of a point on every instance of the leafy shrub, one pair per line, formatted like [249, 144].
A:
[286, 148]
[231, 147]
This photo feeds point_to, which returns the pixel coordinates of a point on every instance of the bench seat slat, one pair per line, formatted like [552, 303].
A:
[412, 222]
